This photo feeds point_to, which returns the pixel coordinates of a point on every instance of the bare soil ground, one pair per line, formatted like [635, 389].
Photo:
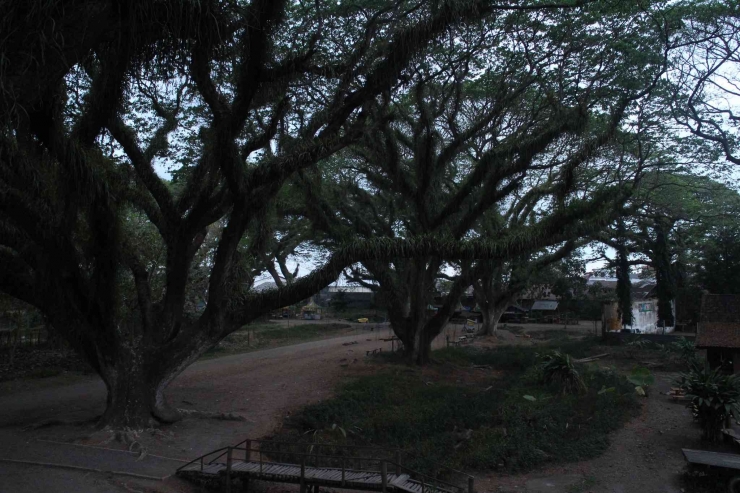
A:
[248, 395]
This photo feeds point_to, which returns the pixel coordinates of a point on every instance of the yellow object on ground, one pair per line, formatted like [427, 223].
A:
[362, 320]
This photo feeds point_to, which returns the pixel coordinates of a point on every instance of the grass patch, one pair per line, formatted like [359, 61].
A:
[586, 484]
[550, 335]
[298, 332]
[480, 426]
[514, 329]
[44, 372]
[253, 337]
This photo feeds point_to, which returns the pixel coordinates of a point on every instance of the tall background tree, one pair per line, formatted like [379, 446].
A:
[677, 226]
[523, 119]
[237, 97]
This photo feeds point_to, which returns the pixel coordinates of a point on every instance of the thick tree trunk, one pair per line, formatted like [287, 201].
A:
[420, 350]
[136, 373]
[491, 316]
[136, 385]
[131, 402]
[416, 346]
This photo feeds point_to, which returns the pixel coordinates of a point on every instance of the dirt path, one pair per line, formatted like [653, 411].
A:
[644, 456]
[264, 386]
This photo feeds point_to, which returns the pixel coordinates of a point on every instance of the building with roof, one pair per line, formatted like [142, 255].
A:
[644, 307]
[311, 311]
[351, 296]
[718, 330]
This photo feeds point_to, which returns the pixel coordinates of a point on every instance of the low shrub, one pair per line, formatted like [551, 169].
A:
[683, 349]
[514, 358]
[488, 425]
[713, 398]
[642, 379]
[558, 369]
[640, 343]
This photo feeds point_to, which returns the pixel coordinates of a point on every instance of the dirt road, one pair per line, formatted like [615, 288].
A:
[260, 388]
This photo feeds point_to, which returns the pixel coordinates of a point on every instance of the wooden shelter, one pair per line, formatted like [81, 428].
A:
[719, 330]
[311, 311]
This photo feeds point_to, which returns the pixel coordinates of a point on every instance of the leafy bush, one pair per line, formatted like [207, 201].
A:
[516, 358]
[486, 425]
[684, 348]
[640, 343]
[641, 378]
[558, 368]
[713, 398]
[471, 427]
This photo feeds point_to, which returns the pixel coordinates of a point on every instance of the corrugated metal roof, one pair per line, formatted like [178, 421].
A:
[642, 289]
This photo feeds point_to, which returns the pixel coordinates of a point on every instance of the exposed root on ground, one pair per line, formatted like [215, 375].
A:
[49, 423]
[191, 413]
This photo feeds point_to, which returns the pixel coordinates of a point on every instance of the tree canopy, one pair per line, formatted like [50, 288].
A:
[381, 132]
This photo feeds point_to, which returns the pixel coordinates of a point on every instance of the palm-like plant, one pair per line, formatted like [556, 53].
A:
[559, 368]
[713, 398]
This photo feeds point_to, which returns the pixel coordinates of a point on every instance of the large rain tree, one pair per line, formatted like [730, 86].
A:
[99, 97]
[533, 121]
[704, 73]
[497, 283]
[678, 226]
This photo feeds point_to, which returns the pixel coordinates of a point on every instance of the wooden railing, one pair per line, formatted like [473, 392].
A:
[23, 337]
[313, 458]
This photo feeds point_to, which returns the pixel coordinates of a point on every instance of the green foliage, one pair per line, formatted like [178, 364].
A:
[640, 343]
[558, 369]
[684, 348]
[713, 397]
[253, 337]
[516, 425]
[718, 268]
[516, 422]
[624, 284]
[641, 378]
[44, 372]
[339, 301]
[508, 358]
[583, 486]
[243, 100]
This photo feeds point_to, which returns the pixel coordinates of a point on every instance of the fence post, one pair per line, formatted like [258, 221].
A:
[343, 460]
[383, 475]
[303, 474]
[422, 484]
[228, 470]
[248, 451]
[398, 462]
[471, 484]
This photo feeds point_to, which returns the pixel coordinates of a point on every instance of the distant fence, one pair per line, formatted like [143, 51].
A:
[658, 338]
[31, 337]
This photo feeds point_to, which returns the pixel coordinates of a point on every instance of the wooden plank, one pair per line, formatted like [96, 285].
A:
[729, 461]
[326, 476]
[399, 479]
[213, 468]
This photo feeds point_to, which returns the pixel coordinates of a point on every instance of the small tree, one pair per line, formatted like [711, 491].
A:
[624, 284]
[559, 369]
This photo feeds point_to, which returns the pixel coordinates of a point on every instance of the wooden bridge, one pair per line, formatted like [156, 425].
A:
[267, 460]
